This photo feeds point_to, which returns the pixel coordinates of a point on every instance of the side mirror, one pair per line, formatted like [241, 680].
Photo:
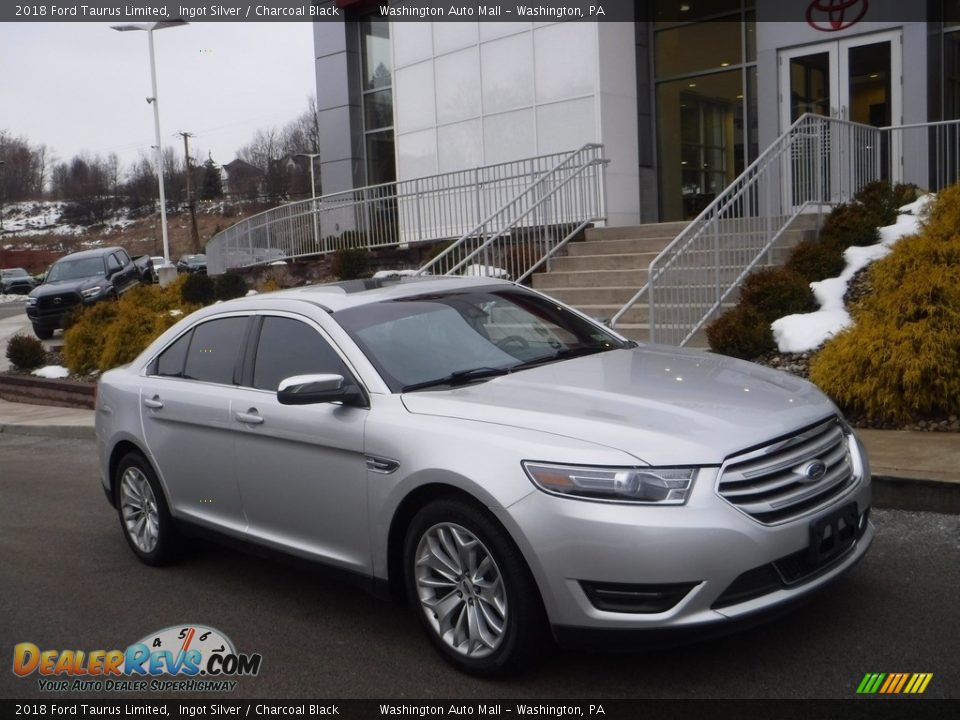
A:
[313, 389]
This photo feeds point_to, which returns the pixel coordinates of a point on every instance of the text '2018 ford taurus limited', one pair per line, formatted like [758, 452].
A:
[501, 461]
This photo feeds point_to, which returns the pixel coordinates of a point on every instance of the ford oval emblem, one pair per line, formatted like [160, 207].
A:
[813, 471]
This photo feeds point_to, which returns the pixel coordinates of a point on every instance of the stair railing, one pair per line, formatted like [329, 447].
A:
[526, 231]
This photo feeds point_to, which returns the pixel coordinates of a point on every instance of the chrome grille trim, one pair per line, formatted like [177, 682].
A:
[767, 484]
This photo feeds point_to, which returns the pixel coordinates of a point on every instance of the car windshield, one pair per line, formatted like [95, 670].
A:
[76, 269]
[451, 338]
[13, 272]
[195, 259]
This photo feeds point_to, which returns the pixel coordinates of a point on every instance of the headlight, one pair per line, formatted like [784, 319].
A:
[31, 301]
[91, 292]
[659, 485]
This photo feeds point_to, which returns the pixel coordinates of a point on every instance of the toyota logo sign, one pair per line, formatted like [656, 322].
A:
[833, 15]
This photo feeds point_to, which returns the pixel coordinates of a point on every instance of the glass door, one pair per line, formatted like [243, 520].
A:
[855, 79]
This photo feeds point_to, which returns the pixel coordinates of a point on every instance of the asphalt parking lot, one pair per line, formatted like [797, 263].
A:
[69, 582]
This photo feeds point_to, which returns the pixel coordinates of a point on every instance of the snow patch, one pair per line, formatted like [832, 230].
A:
[52, 372]
[804, 332]
[385, 274]
[12, 299]
[485, 271]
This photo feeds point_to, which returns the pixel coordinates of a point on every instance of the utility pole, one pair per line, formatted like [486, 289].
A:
[191, 201]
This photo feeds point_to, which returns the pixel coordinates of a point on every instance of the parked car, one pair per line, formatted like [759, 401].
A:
[83, 278]
[16, 281]
[501, 461]
[192, 264]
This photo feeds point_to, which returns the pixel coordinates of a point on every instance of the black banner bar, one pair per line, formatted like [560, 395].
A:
[855, 709]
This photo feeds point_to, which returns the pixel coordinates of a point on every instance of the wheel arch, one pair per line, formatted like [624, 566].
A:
[411, 504]
[121, 449]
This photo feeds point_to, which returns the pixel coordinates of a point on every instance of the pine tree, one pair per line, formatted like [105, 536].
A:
[211, 186]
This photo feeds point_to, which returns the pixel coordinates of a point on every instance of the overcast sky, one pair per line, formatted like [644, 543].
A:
[82, 86]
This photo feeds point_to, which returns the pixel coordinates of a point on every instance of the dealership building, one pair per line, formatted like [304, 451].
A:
[682, 98]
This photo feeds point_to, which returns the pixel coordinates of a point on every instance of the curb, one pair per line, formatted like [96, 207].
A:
[74, 432]
[897, 493]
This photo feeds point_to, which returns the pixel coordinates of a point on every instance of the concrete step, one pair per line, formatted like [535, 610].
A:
[669, 229]
[618, 247]
[602, 262]
[590, 279]
[641, 333]
[593, 296]
[640, 313]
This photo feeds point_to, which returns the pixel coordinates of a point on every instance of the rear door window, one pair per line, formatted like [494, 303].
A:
[215, 350]
[170, 362]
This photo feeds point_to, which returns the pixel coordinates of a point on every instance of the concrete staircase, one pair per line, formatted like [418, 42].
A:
[599, 274]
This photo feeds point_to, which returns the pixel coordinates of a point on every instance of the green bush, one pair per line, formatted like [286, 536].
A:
[350, 264]
[198, 289]
[113, 333]
[901, 359]
[851, 224]
[26, 352]
[741, 332]
[882, 200]
[816, 260]
[775, 292]
[230, 285]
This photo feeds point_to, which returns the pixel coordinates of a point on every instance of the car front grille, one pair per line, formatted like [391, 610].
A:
[59, 302]
[790, 476]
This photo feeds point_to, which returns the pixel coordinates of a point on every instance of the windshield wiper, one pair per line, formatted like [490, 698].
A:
[459, 377]
[564, 354]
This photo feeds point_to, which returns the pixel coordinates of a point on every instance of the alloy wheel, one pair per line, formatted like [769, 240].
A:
[461, 590]
[138, 504]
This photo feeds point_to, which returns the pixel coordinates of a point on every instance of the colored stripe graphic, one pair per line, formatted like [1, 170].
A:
[894, 683]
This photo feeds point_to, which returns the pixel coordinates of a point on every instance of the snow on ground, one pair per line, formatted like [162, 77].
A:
[52, 372]
[485, 271]
[807, 331]
[12, 299]
[384, 274]
[42, 217]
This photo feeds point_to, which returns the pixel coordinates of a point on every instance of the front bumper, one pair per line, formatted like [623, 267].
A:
[706, 544]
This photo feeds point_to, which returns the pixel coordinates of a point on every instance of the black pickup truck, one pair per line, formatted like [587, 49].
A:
[84, 278]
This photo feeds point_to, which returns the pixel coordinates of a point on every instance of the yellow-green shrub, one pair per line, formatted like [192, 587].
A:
[902, 357]
[109, 334]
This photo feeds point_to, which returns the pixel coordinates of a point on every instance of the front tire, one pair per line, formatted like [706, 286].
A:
[43, 332]
[472, 590]
[144, 515]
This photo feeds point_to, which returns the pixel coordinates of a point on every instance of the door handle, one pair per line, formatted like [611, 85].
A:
[155, 402]
[251, 417]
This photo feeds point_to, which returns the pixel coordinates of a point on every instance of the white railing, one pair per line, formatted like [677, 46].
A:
[528, 229]
[816, 163]
[437, 207]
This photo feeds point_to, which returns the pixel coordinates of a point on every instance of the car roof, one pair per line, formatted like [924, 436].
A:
[95, 253]
[353, 293]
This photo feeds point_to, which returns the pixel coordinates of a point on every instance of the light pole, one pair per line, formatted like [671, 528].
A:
[3, 191]
[313, 198]
[166, 273]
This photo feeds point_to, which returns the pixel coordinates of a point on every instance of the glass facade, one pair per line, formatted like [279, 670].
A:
[706, 102]
[377, 93]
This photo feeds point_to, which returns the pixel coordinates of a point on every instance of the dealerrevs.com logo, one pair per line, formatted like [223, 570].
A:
[200, 657]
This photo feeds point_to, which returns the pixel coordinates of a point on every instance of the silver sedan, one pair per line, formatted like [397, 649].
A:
[509, 467]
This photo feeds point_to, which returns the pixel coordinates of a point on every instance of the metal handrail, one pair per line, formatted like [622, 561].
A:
[430, 208]
[558, 205]
[817, 162]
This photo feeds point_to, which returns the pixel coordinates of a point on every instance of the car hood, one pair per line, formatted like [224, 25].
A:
[63, 286]
[663, 406]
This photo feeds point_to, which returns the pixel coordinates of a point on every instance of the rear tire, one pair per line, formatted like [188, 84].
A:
[144, 515]
[472, 590]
